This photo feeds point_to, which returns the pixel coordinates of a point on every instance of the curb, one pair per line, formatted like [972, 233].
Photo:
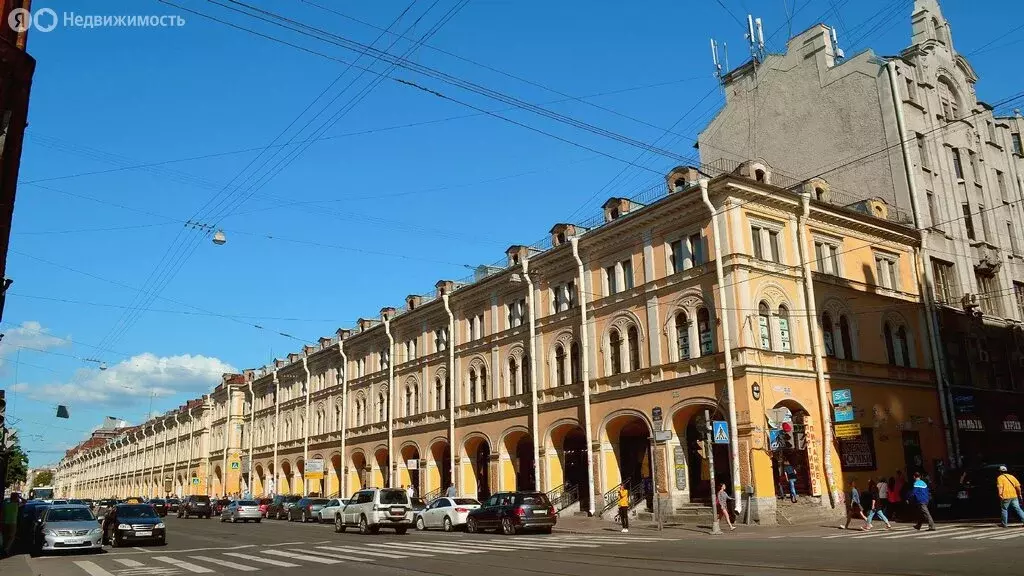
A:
[16, 566]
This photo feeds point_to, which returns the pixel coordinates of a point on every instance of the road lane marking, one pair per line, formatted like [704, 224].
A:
[976, 534]
[226, 563]
[527, 541]
[129, 563]
[263, 560]
[957, 530]
[140, 549]
[1008, 536]
[183, 564]
[428, 548]
[403, 554]
[91, 568]
[306, 557]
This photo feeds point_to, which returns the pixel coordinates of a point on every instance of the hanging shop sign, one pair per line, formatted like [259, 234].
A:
[858, 454]
[1011, 423]
[970, 423]
[848, 430]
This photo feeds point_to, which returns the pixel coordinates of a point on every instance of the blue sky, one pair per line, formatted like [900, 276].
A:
[373, 210]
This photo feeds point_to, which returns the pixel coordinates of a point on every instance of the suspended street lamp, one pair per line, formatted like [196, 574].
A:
[219, 238]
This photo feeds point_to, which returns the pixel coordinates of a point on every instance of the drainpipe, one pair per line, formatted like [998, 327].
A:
[391, 402]
[585, 361]
[305, 431]
[163, 459]
[533, 374]
[191, 448]
[451, 390]
[938, 357]
[227, 441]
[277, 426]
[252, 429]
[177, 448]
[816, 356]
[730, 389]
[343, 484]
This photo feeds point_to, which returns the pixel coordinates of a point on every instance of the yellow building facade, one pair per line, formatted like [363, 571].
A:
[589, 363]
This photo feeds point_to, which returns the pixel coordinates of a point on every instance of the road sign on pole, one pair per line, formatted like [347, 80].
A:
[715, 526]
[720, 431]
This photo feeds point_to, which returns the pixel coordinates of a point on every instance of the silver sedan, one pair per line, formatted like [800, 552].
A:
[68, 527]
[244, 510]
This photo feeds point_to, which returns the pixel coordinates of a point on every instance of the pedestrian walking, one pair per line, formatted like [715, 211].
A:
[877, 507]
[410, 491]
[1009, 496]
[893, 498]
[855, 508]
[790, 473]
[723, 499]
[624, 507]
[920, 496]
[8, 524]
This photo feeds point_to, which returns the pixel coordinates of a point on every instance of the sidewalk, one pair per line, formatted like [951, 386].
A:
[16, 565]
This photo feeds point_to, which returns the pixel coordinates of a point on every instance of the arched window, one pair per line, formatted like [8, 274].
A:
[472, 385]
[707, 343]
[483, 383]
[514, 383]
[683, 336]
[845, 338]
[890, 347]
[438, 391]
[633, 337]
[382, 407]
[526, 372]
[408, 401]
[759, 175]
[764, 325]
[615, 351]
[574, 362]
[559, 365]
[784, 342]
[337, 418]
[949, 98]
[827, 336]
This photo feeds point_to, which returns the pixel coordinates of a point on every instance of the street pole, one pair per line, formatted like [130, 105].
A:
[710, 447]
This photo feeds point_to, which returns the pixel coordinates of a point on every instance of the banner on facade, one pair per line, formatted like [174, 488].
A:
[1011, 423]
[314, 470]
[970, 423]
[858, 454]
[848, 430]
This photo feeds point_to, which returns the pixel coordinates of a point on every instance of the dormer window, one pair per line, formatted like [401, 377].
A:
[759, 175]
[679, 184]
[561, 238]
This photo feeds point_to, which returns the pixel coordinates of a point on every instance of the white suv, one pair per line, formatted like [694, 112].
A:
[374, 508]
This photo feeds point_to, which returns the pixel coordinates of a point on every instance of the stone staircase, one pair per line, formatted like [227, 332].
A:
[807, 510]
[688, 515]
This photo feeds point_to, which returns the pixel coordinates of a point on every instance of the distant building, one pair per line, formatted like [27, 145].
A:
[910, 130]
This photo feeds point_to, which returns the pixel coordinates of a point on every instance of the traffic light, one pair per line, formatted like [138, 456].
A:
[786, 439]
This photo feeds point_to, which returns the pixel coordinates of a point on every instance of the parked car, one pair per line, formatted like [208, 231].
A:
[102, 506]
[64, 527]
[244, 510]
[263, 504]
[78, 501]
[59, 502]
[173, 504]
[333, 506]
[198, 506]
[28, 524]
[418, 505]
[218, 505]
[513, 512]
[159, 505]
[131, 523]
[446, 513]
[306, 509]
[374, 508]
[975, 495]
[278, 509]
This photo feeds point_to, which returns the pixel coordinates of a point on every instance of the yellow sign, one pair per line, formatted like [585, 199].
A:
[314, 475]
[847, 430]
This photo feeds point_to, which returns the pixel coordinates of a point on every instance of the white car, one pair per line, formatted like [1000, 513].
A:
[333, 506]
[446, 513]
[375, 508]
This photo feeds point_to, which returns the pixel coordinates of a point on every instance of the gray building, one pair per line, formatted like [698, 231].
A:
[909, 130]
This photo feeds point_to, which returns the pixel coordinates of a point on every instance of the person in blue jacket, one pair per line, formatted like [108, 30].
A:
[920, 496]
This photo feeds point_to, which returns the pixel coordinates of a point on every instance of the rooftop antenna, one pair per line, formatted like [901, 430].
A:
[835, 45]
[760, 37]
[714, 59]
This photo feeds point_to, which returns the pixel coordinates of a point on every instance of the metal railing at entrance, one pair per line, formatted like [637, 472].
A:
[564, 496]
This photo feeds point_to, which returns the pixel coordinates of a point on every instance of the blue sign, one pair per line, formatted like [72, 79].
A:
[844, 413]
[844, 396]
[773, 440]
[720, 432]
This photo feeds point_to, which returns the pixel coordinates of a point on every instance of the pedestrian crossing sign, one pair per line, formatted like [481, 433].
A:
[720, 431]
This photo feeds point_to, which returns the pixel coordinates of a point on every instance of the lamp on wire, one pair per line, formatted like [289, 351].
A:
[219, 238]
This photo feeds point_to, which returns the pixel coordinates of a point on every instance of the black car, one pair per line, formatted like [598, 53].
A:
[974, 495]
[278, 508]
[172, 504]
[103, 506]
[130, 523]
[28, 524]
[219, 505]
[198, 506]
[513, 512]
[160, 505]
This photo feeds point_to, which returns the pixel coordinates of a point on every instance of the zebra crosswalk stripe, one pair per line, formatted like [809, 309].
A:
[262, 560]
[306, 557]
[882, 534]
[528, 543]
[91, 568]
[945, 532]
[975, 534]
[128, 562]
[226, 563]
[372, 553]
[183, 564]
[1015, 534]
[406, 547]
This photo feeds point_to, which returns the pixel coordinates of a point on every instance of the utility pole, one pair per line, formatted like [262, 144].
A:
[710, 447]
[3, 444]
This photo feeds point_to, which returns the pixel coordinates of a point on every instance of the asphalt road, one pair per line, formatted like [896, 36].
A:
[197, 546]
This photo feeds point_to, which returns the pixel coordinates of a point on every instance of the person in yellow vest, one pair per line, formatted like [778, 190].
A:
[1009, 496]
[624, 507]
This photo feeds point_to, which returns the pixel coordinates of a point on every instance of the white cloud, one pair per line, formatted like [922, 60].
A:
[134, 380]
[32, 335]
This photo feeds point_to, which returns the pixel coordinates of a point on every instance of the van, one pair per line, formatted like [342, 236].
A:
[376, 508]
